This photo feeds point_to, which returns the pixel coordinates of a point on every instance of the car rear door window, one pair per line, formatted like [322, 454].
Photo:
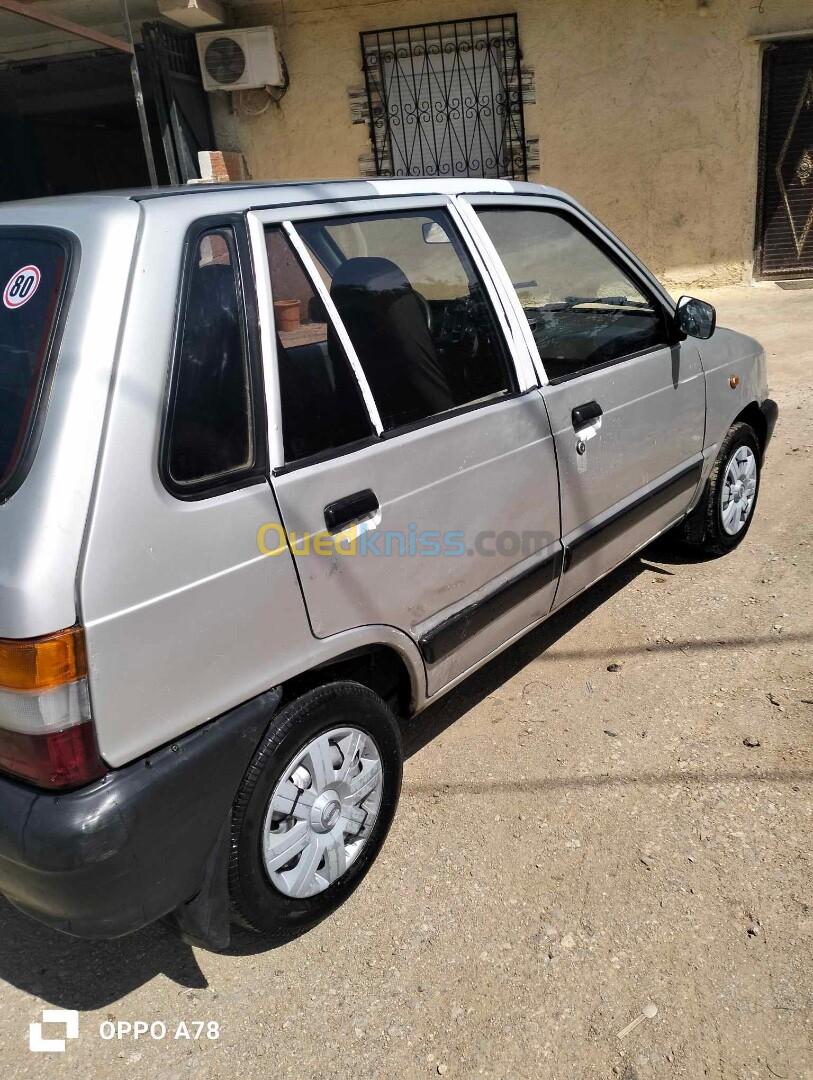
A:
[33, 271]
[210, 440]
[583, 309]
[415, 310]
[321, 403]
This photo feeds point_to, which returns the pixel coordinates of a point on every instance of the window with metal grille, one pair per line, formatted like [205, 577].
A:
[445, 99]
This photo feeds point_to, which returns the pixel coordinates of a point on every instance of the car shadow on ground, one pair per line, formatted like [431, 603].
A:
[75, 974]
[425, 727]
[656, 559]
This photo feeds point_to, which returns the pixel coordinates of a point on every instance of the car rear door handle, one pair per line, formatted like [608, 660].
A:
[343, 512]
[582, 415]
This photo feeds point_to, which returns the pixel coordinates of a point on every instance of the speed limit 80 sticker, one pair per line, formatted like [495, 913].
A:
[21, 286]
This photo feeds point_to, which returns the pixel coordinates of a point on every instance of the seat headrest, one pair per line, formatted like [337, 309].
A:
[372, 273]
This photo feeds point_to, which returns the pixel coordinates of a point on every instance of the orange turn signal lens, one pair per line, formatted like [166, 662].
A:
[43, 663]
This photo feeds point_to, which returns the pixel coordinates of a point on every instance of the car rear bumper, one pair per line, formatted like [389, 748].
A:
[770, 412]
[112, 857]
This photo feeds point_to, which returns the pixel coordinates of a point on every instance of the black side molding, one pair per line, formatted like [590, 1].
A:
[444, 638]
[590, 542]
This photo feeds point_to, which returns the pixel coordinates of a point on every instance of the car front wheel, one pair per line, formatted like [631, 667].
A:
[725, 512]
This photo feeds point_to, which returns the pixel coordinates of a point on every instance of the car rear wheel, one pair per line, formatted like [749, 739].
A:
[314, 808]
[725, 512]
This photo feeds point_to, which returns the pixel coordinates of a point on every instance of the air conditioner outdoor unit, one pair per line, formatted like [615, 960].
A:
[239, 59]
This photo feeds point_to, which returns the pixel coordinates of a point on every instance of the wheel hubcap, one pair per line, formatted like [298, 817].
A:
[326, 811]
[739, 490]
[322, 811]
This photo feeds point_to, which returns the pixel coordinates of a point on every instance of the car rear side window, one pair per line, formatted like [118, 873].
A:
[210, 437]
[321, 403]
[33, 275]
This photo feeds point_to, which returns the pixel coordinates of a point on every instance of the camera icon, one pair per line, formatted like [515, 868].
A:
[68, 1017]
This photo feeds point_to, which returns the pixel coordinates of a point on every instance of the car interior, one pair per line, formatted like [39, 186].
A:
[422, 355]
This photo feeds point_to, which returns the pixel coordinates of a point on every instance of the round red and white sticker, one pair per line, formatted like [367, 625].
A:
[21, 286]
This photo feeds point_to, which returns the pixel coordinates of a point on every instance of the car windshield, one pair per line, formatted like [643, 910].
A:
[32, 276]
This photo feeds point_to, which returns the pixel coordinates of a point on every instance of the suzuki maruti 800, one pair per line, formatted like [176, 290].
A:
[279, 466]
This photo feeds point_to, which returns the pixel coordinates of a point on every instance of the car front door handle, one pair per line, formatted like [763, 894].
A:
[583, 415]
[343, 512]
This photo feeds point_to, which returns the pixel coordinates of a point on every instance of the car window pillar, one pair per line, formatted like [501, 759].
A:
[336, 324]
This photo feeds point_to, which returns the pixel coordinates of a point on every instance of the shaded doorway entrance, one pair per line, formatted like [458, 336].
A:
[785, 204]
[70, 123]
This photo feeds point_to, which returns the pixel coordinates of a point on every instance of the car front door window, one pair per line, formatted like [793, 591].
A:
[583, 309]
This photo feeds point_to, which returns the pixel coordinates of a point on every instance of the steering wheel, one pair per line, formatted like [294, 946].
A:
[462, 328]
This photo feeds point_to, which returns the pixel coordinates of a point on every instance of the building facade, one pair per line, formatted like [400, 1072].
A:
[686, 125]
[648, 111]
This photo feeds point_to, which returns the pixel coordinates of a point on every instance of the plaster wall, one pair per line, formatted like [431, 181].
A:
[646, 111]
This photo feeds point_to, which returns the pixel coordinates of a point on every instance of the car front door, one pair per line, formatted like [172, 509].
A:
[415, 471]
[626, 399]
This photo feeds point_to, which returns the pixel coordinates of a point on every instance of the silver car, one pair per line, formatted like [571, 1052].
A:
[279, 466]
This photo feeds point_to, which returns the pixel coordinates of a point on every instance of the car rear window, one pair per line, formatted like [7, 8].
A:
[33, 270]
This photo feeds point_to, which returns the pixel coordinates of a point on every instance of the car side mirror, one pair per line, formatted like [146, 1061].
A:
[695, 318]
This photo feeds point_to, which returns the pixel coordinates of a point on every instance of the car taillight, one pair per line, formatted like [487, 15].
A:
[46, 732]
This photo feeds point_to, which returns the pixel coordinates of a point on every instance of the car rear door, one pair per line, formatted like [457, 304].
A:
[626, 400]
[414, 464]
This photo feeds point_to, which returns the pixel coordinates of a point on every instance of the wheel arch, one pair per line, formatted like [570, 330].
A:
[753, 415]
[380, 667]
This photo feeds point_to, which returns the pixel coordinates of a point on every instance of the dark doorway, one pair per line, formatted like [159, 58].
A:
[785, 203]
[70, 124]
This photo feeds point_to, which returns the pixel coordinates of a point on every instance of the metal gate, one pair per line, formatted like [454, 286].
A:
[180, 100]
[445, 99]
[785, 202]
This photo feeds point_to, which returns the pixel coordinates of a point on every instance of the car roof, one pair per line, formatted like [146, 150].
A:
[284, 192]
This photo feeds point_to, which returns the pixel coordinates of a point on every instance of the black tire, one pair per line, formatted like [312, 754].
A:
[256, 903]
[703, 528]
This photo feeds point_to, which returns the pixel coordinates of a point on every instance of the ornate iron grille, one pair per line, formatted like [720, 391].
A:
[445, 99]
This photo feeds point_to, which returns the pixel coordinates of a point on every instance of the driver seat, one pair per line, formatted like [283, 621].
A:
[386, 321]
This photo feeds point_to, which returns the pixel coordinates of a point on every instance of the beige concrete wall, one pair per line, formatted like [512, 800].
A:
[646, 111]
